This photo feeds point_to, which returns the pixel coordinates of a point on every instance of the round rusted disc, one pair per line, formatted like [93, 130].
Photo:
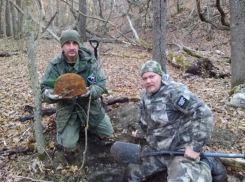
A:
[69, 85]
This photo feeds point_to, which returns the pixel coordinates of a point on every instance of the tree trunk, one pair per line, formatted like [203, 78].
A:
[177, 4]
[82, 20]
[237, 10]
[159, 29]
[13, 19]
[42, 9]
[31, 49]
[58, 10]
[1, 7]
[62, 17]
[20, 17]
[209, 26]
[4, 18]
[100, 10]
[52, 14]
[9, 32]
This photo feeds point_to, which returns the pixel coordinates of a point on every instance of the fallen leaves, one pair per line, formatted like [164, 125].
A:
[123, 80]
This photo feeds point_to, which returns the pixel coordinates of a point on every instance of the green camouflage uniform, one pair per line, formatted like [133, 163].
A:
[172, 119]
[71, 112]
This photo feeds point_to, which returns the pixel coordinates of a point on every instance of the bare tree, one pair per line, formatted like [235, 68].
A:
[1, 6]
[209, 26]
[224, 25]
[20, 16]
[100, 9]
[62, 14]
[13, 12]
[4, 15]
[31, 49]
[236, 28]
[9, 31]
[159, 31]
[82, 20]
[42, 9]
[237, 10]
[52, 14]
[58, 10]
[177, 3]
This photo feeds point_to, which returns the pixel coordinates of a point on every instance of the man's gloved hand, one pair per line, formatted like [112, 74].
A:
[86, 94]
[47, 92]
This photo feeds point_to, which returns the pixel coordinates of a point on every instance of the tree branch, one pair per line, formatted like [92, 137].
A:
[17, 7]
[100, 19]
[48, 111]
[134, 31]
[31, 179]
[48, 30]
[50, 21]
[202, 18]
[11, 152]
[222, 14]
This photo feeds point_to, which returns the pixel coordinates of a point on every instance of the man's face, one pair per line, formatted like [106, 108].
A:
[152, 82]
[70, 49]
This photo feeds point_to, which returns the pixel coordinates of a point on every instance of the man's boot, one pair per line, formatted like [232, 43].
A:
[218, 170]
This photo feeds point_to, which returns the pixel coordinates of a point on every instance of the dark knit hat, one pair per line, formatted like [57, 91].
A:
[69, 35]
[151, 66]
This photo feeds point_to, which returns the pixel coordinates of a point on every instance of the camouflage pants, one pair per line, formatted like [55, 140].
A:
[70, 135]
[179, 169]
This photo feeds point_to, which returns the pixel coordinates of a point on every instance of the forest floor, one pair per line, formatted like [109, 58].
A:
[121, 65]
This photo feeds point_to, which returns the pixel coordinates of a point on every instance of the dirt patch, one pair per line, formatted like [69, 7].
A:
[224, 138]
[100, 164]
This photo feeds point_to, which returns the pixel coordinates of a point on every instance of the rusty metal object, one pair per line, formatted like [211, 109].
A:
[69, 85]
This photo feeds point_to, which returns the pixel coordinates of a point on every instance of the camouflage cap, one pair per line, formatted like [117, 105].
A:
[69, 35]
[151, 66]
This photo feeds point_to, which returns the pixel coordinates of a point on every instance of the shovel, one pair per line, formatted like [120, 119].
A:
[131, 153]
[94, 43]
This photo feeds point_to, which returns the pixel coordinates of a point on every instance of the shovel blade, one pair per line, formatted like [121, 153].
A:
[126, 152]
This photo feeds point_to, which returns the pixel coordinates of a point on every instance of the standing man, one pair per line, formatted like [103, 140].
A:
[71, 113]
[173, 118]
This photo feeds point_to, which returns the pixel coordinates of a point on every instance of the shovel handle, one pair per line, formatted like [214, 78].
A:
[92, 41]
[203, 154]
[130, 153]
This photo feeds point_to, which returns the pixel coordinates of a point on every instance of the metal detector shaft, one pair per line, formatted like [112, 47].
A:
[181, 153]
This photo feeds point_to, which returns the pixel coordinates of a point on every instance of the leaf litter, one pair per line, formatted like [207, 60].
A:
[123, 79]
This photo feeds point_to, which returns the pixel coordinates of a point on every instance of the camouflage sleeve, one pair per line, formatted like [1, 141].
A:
[98, 85]
[50, 76]
[201, 116]
[142, 125]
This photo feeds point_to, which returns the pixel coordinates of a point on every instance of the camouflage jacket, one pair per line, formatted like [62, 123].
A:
[174, 118]
[69, 109]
